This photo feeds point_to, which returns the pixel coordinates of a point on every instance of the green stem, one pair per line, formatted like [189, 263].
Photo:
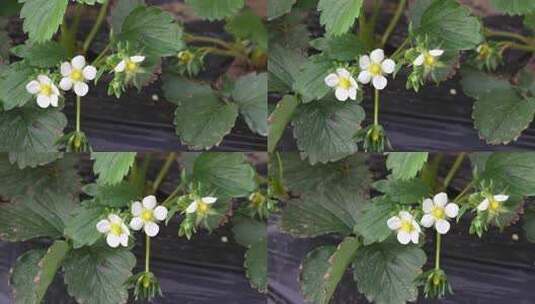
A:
[96, 27]
[492, 33]
[102, 54]
[522, 47]
[463, 192]
[453, 170]
[193, 38]
[172, 196]
[147, 253]
[229, 53]
[437, 252]
[163, 171]
[376, 108]
[78, 110]
[400, 48]
[393, 22]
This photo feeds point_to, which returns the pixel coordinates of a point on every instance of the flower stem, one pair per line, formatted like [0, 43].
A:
[522, 47]
[463, 192]
[147, 253]
[376, 108]
[163, 171]
[453, 170]
[393, 22]
[493, 33]
[102, 54]
[437, 251]
[78, 110]
[96, 27]
[400, 48]
[193, 38]
[172, 196]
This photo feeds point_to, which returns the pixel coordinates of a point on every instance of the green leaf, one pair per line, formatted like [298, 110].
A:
[372, 224]
[48, 266]
[334, 211]
[406, 165]
[321, 273]
[450, 25]
[153, 30]
[395, 266]
[277, 8]
[325, 129]
[529, 21]
[10, 8]
[284, 65]
[529, 224]
[227, 174]
[113, 196]
[215, 10]
[290, 31]
[37, 13]
[97, 275]
[514, 7]
[27, 217]
[112, 167]
[32, 159]
[250, 93]
[279, 120]
[338, 16]
[476, 83]
[31, 129]
[81, 228]
[45, 55]
[310, 82]
[5, 42]
[249, 26]
[13, 83]
[120, 11]
[403, 191]
[346, 47]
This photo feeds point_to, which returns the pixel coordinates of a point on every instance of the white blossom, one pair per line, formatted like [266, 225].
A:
[406, 227]
[46, 91]
[147, 215]
[345, 84]
[428, 58]
[374, 67]
[116, 231]
[129, 64]
[493, 203]
[75, 74]
[201, 205]
[437, 211]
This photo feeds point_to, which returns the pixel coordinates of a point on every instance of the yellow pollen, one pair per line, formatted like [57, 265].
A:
[116, 229]
[484, 51]
[131, 66]
[406, 226]
[429, 60]
[77, 75]
[146, 215]
[494, 205]
[257, 199]
[202, 208]
[185, 57]
[438, 212]
[46, 89]
[375, 69]
[344, 83]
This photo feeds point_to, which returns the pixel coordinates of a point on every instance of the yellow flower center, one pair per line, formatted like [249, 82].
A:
[344, 83]
[406, 226]
[438, 212]
[131, 66]
[116, 229]
[494, 205]
[77, 75]
[484, 51]
[202, 208]
[185, 57]
[257, 199]
[46, 89]
[375, 69]
[429, 60]
[146, 215]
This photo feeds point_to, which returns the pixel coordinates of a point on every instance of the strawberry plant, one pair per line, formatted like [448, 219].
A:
[90, 224]
[379, 223]
[130, 45]
[321, 71]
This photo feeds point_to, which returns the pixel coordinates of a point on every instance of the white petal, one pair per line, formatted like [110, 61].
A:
[55, 89]
[78, 62]
[379, 82]
[341, 94]
[120, 67]
[113, 240]
[160, 213]
[377, 55]
[404, 215]
[415, 235]
[43, 101]
[427, 205]
[136, 223]
[103, 226]
[484, 205]
[442, 226]
[353, 93]
[364, 62]
[89, 72]
[125, 229]
[427, 220]
[149, 202]
[440, 199]
[54, 100]
[124, 239]
[451, 210]
[151, 229]
[365, 77]
[331, 80]
[33, 87]
[416, 226]
[436, 52]
[81, 88]
[43, 79]
[501, 197]
[394, 223]
[137, 59]
[209, 200]
[65, 84]
[388, 66]
[192, 207]
[137, 208]
[114, 218]
[343, 73]
[419, 60]
[66, 69]
[404, 237]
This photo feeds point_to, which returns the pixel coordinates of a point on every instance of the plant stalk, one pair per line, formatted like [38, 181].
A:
[376, 108]
[96, 27]
[163, 171]
[147, 253]
[400, 48]
[493, 33]
[453, 170]
[437, 251]
[216, 41]
[78, 110]
[393, 22]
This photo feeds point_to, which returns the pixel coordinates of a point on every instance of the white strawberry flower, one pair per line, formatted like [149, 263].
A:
[201, 206]
[345, 84]
[492, 203]
[374, 67]
[428, 58]
[147, 215]
[75, 74]
[437, 211]
[46, 91]
[406, 227]
[116, 231]
[129, 64]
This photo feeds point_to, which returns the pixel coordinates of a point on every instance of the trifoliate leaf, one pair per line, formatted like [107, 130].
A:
[279, 120]
[249, 26]
[514, 7]
[338, 16]
[476, 83]
[372, 223]
[113, 196]
[396, 266]
[44, 55]
[450, 25]
[32, 159]
[284, 65]
[277, 8]
[406, 165]
[310, 81]
[38, 13]
[325, 129]
[13, 83]
[120, 11]
[403, 191]
[321, 274]
[250, 93]
[334, 211]
[215, 10]
[346, 47]
[82, 227]
[153, 30]
[97, 275]
[112, 167]
[227, 174]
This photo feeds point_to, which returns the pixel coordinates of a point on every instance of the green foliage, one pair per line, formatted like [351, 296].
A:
[44, 55]
[284, 66]
[514, 7]
[250, 93]
[277, 8]
[25, 269]
[529, 224]
[112, 167]
[247, 25]
[338, 16]
[37, 13]
[346, 47]
[279, 120]
[120, 11]
[32, 159]
[114, 196]
[372, 224]
[215, 10]
[309, 82]
[13, 82]
[314, 267]
[48, 266]
[403, 191]
[406, 165]
[81, 228]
